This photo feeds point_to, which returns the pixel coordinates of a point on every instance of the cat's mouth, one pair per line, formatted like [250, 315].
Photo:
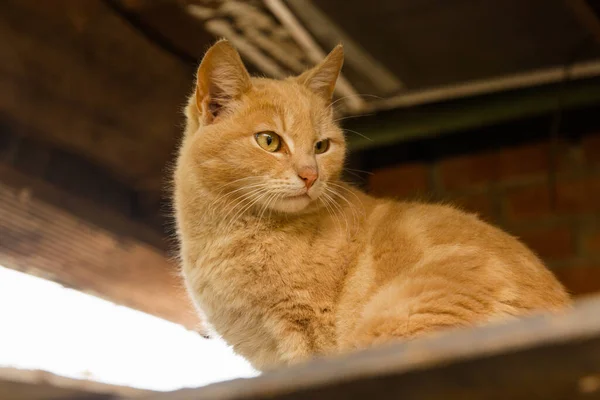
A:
[293, 202]
[298, 196]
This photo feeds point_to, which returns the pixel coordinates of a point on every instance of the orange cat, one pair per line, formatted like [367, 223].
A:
[286, 262]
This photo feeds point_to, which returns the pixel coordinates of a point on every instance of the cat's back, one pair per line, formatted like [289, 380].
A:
[417, 240]
[427, 267]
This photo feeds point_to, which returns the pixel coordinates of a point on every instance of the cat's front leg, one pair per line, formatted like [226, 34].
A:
[294, 334]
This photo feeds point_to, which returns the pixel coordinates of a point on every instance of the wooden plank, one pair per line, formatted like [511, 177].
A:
[179, 32]
[45, 240]
[287, 19]
[462, 114]
[92, 212]
[433, 43]
[505, 83]
[71, 182]
[586, 15]
[540, 357]
[381, 81]
[17, 384]
[78, 75]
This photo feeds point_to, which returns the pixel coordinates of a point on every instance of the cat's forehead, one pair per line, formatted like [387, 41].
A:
[287, 109]
[280, 96]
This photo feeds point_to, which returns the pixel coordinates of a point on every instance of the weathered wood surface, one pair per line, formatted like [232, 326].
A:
[445, 43]
[64, 219]
[16, 384]
[442, 118]
[541, 357]
[48, 241]
[78, 75]
[71, 182]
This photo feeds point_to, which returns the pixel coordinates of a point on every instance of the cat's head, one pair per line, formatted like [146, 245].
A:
[270, 143]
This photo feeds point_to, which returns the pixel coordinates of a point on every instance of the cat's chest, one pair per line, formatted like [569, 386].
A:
[235, 262]
[255, 267]
[240, 281]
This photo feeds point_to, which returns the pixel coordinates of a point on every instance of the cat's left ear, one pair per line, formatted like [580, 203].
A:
[222, 78]
[321, 79]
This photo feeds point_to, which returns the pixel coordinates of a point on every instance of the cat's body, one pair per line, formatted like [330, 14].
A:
[288, 265]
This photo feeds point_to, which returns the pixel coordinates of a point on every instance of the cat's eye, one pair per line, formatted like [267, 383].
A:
[321, 146]
[270, 141]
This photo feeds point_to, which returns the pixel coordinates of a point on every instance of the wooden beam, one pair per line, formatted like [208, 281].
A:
[540, 357]
[586, 16]
[344, 88]
[77, 75]
[221, 28]
[461, 114]
[73, 183]
[320, 25]
[45, 240]
[19, 384]
[583, 70]
[92, 212]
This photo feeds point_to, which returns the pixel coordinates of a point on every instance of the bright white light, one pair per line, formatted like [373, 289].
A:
[48, 327]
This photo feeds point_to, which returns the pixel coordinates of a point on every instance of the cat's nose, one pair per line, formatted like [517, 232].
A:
[309, 175]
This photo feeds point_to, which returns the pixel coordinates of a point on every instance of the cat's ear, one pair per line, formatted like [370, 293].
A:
[321, 79]
[222, 78]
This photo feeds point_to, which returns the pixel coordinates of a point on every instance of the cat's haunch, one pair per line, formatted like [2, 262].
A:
[286, 261]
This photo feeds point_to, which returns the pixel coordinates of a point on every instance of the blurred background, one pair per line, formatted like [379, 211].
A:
[491, 105]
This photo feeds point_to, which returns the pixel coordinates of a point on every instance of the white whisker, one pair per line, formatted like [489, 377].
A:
[359, 170]
[326, 202]
[336, 207]
[223, 197]
[351, 116]
[355, 216]
[359, 134]
[252, 199]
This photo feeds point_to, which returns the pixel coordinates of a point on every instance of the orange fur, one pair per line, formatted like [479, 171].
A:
[284, 274]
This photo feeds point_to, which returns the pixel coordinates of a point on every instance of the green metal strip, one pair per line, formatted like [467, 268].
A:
[430, 120]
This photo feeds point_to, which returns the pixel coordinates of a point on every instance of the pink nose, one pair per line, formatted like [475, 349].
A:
[309, 175]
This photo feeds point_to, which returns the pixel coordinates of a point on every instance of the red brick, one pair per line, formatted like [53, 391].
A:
[578, 195]
[529, 202]
[592, 242]
[573, 196]
[550, 244]
[492, 167]
[569, 158]
[580, 280]
[524, 161]
[480, 204]
[460, 172]
[591, 148]
[402, 181]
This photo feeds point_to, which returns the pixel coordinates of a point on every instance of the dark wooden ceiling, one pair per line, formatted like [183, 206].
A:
[106, 80]
[89, 115]
[76, 75]
[429, 43]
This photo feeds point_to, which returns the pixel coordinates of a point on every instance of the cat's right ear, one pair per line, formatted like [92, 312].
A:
[322, 78]
[222, 78]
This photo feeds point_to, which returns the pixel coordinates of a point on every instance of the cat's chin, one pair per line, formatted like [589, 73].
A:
[292, 204]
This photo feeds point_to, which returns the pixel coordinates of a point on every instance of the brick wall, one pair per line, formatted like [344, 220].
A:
[512, 188]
